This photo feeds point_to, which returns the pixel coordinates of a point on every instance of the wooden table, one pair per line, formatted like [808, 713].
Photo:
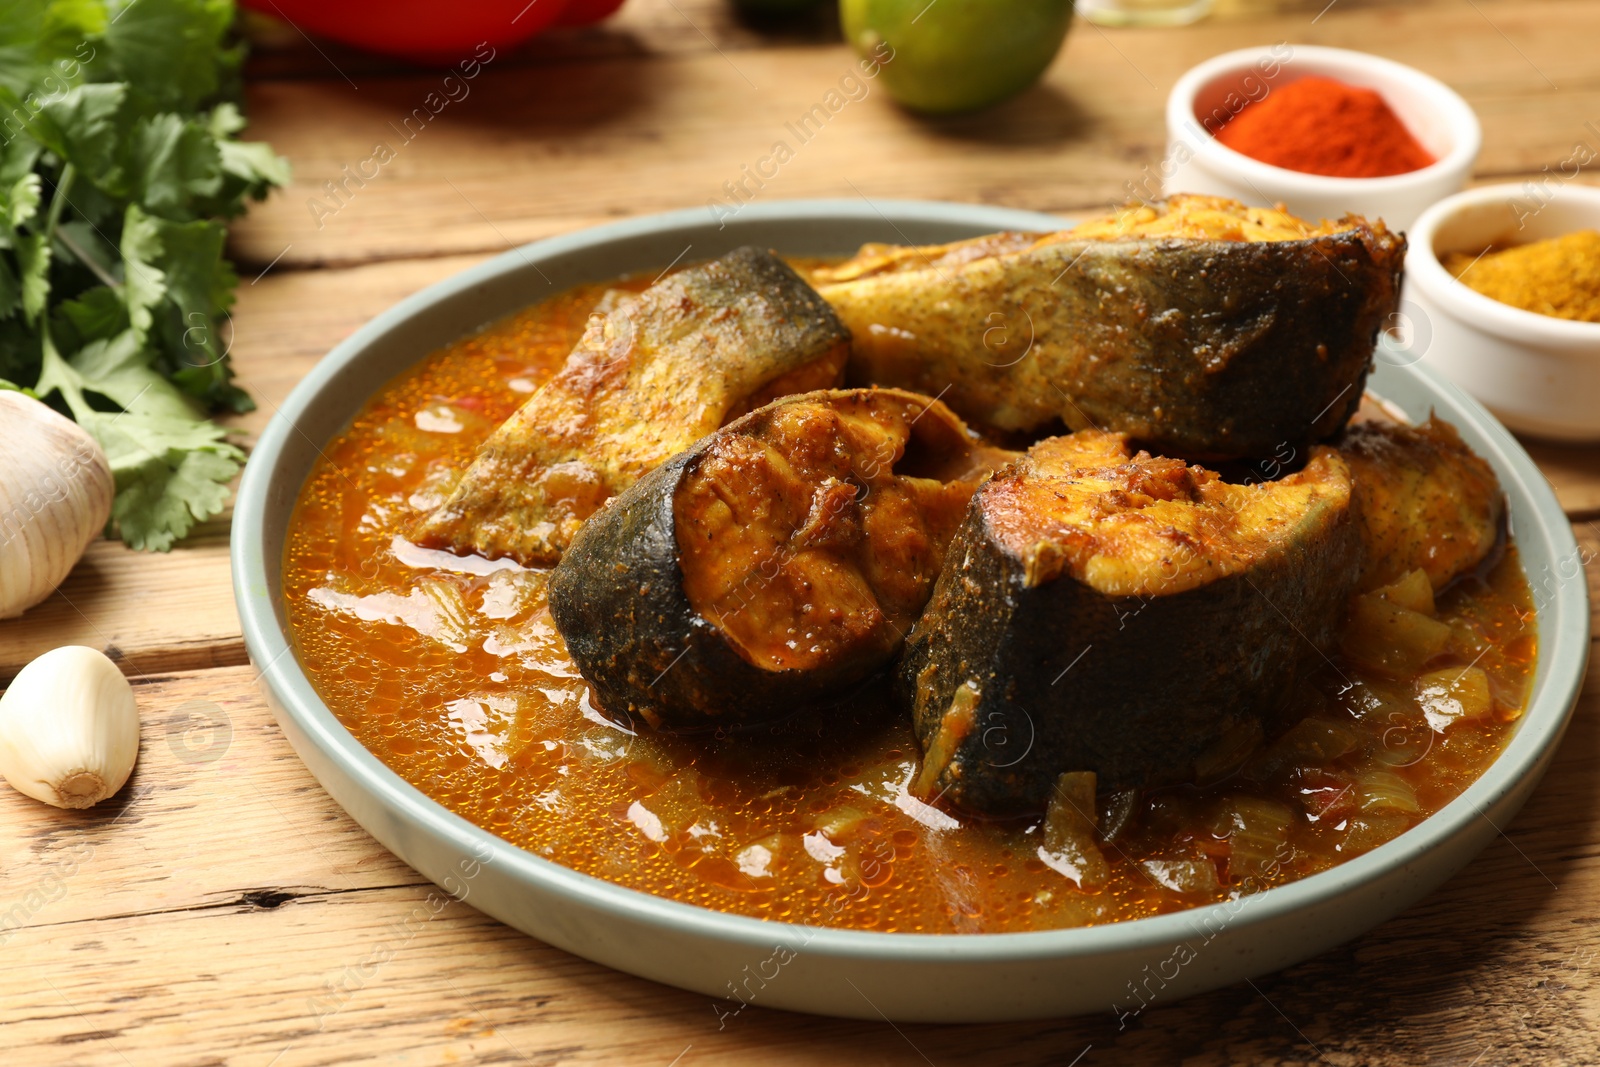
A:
[214, 911]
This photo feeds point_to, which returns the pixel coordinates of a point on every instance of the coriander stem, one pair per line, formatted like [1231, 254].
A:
[54, 372]
[87, 260]
[58, 198]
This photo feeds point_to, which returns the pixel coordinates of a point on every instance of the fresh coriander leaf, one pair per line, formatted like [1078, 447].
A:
[19, 152]
[225, 120]
[255, 167]
[171, 465]
[21, 202]
[98, 209]
[68, 25]
[118, 161]
[33, 256]
[192, 355]
[190, 256]
[21, 27]
[84, 126]
[43, 41]
[97, 314]
[94, 314]
[144, 285]
[201, 481]
[250, 168]
[159, 501]
[172, 161]
[178, 286]
[118, 368]
[87, 244]
[169, 474]
[214, 384]
[168, 49]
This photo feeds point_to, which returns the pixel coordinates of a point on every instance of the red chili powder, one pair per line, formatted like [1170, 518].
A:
[1321, 126]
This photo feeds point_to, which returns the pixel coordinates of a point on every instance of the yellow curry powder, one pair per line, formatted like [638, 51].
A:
[1559, 277]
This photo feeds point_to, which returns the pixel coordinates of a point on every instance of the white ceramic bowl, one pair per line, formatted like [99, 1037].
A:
[1540, 375]
[934, 978]
[1197, 162]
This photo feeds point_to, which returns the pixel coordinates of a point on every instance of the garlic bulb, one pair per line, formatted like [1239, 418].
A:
[55, 497]
[69, 729]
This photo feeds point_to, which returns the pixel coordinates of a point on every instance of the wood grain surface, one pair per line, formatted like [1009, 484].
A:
[223, 910]
[560, 145]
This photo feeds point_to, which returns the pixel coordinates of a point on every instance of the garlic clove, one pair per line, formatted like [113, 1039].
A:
[69, 728]
[55, 497]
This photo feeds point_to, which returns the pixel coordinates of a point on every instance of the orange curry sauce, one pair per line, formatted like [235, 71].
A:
[451, 671]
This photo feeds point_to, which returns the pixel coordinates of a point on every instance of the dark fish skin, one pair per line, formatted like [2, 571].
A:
[619, 599]
[1133, 688]
[1199, 349]
[651, 375]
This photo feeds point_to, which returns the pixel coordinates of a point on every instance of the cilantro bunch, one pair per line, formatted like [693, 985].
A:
[118, 161]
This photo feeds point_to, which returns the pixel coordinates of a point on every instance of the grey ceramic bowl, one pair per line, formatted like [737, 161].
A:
[945, 978]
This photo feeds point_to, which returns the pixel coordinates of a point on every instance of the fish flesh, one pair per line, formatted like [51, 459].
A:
[1425, 500]
[1201, 328]
[773, 566]
[1115, 612]
[652, 374]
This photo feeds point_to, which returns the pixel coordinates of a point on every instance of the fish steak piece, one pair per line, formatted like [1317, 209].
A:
[652, 374]
[773, 566]
[1119, 613]
[1202, 328]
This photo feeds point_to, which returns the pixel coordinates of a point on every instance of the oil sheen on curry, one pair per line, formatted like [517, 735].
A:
[815, 648]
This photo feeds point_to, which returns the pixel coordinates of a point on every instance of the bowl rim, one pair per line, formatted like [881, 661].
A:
[1513, 324]
[270, 649]
[1463, 122]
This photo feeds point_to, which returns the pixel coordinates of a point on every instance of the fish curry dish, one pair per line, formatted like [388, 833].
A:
[768, 586]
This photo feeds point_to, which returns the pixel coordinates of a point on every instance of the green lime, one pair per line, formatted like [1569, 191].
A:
[956, 55]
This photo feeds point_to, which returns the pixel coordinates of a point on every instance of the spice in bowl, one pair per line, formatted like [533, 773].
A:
[1559, 277]
[1319, 125]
